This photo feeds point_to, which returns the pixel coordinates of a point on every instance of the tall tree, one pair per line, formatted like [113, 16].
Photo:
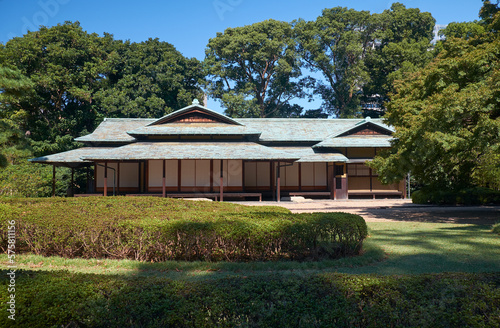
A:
[336, 45]
[148, 79]
[254, 70]
[447, 119]
[401, 45]
[64, 64]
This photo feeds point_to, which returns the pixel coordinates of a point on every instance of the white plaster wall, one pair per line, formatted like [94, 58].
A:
[100, 175]
[129, 175]
[202, 173]
[263, 174]
[320, 174]
[250, 174]
[307, 174]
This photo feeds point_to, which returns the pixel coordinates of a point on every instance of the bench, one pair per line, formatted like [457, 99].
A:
[374, 193]
[216, 196]
[194, 195]
[310, 193]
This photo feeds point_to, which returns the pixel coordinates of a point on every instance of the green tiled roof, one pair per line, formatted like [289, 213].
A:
[307, 154]
[115, 130]
[72, 157]
[355, 141]
[193, 150]
[296, 129]
[193, 129]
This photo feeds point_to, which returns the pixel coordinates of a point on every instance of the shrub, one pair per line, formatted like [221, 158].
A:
[471, 196]
[63, 299]
[496, 228]
[154, 229]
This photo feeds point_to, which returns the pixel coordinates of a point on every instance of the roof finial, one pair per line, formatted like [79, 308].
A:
[196, 102]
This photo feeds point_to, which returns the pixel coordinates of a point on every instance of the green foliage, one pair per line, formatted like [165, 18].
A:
[32, 180]
[472, 196]
[59, 82]
[496, 228]
[401, 40]
[464, 30]
[148, 79]
[447, 120]
[66, 299]
[335, 45]
[254, 70]
[155, 229]
[360, 55]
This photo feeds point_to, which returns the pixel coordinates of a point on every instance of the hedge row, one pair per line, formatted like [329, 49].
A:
[177, 230]
[62, 299]
[473, 196]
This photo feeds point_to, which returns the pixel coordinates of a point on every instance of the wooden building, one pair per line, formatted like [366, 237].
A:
[194, 151]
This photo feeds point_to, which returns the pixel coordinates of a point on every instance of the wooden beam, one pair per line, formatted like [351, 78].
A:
[105, 179]
[333, 191]
[300, 176]
[118, 178]
[211, 175]
[179, 175]
[278, 184]
[163, 182]
[221, 185]
[53, 180]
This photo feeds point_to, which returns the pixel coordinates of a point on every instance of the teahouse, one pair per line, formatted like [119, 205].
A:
[197, 152]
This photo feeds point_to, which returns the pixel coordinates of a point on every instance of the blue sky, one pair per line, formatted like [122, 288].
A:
[188, 25]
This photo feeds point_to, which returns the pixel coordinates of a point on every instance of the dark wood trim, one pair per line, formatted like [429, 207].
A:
[105, 178]
[211, 175]
[271, 177]
[221, 186]
[300, 176]
[334, 182]
[118, 178]
[146, 176]
[278, 183]
[243, 175]
[163, 180]
[179, 175]
[95, 177]
[371, 180]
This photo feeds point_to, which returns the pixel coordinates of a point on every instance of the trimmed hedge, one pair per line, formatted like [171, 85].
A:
[472, 196]
[153, 229]
[63, 299]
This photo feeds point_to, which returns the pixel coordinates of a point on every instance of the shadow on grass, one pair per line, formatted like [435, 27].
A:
[437, 214]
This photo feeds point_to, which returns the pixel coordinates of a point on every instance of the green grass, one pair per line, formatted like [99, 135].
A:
[392, 248]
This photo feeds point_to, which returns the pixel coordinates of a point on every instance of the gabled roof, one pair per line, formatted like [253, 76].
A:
[193, 129]
[113, 130]
[308, 155]
[356, 142]
[366, 123]
[193, 150]
[72, 158]
[194, 108]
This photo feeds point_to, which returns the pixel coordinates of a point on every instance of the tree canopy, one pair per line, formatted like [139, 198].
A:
[255, 70]
[447, 118]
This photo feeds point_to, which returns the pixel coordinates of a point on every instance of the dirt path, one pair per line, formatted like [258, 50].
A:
[396, 210]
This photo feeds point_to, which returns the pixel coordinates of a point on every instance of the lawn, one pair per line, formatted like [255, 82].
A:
[391, 248]
[410, 274]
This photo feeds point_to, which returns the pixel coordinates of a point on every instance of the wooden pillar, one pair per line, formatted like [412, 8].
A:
[334, 185]
[211, 175]
[72, 182]
[117, 178]
[278, 184]
[105, 178]
[271, 175]
[300, 176]
[179, 173]
[163, 182]
[221, 186]
[53, 180]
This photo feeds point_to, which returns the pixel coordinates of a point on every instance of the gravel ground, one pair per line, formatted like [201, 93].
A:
[381, 210]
